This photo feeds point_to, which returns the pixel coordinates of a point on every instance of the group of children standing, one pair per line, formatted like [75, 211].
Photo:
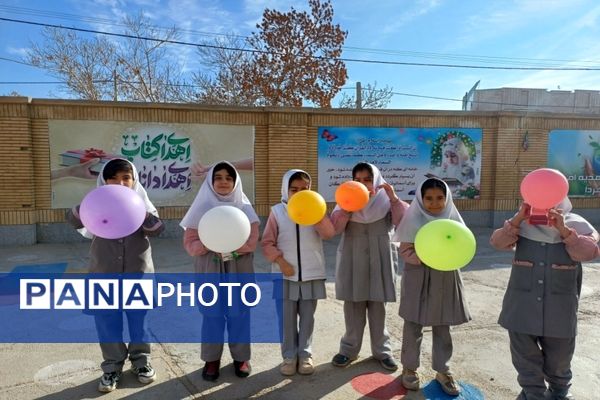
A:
[539, 309]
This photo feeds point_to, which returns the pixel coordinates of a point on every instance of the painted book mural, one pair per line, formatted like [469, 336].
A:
[171, 159]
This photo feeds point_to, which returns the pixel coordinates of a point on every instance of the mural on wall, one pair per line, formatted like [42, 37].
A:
[171, 159]
[576, 153]
[405, 156]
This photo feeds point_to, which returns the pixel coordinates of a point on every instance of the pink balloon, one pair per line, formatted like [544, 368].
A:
[112, 211]
[544, 188]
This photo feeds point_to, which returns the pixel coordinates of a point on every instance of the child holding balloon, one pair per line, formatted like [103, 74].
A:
[540, 305]
[428, 297]
[128, 254]
[366, 266]
[223, 188]
[297, 251]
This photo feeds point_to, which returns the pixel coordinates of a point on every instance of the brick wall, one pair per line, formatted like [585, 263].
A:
[284, 138]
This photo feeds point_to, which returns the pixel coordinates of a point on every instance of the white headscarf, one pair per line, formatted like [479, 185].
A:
[137, 186]
[285, 183]
[378, 205]
[416, 215]
[207, 198]
[549, 234]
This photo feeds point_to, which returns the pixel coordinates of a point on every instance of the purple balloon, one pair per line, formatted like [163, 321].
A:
[112, 211]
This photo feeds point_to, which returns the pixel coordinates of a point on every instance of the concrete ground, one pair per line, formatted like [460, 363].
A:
[481, 351]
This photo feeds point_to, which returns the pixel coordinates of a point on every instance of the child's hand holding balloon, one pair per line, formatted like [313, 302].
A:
[522, 215]
[557, 220]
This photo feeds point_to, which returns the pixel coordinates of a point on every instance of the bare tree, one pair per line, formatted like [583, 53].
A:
[293, 58]
[13, 93]
[84, 65]
[371, 97]
[221, 82]
[98, 69]
[145, 72]
[296, 57]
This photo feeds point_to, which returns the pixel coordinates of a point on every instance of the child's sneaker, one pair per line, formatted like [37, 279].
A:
[410, 379]
[108, 381]
[288, 366]
[449, 385]
[306, 366]
[145, 374]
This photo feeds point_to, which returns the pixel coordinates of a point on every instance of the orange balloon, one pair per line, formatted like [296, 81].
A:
[352, 196]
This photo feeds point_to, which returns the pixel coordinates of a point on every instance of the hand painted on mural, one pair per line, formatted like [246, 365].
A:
[82, 170]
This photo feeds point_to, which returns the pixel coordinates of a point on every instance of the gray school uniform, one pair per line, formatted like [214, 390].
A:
[540, 312]
[429, 297]
[365, 280]
[303, 248]
[366, 264]
[211, 263]
[299, 304]
[131, 254]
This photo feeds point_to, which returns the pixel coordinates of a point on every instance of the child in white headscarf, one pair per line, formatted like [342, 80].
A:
[366, 267]
[297, 251]
[540, 305]
[456, 162]
[428, 297]
[131, 254]
[221, 187]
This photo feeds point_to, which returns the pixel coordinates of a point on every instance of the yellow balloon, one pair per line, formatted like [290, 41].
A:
[306, 207]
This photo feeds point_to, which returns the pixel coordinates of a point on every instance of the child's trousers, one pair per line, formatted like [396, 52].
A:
[355, 317]
[298, 325]
[215, 327]
[412, 337]
[538, 359]
[116, 353]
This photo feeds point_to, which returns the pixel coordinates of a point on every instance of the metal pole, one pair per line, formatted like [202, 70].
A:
[115, 84]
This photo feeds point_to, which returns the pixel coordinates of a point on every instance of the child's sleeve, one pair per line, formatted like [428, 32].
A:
[505, 238]
[398, 207]
[192, 243]
[582, 247]
[408, 253]
[340, 219]
[269, 240]
[153, 226]
[252, 241]
[325, 228]
[72, 217]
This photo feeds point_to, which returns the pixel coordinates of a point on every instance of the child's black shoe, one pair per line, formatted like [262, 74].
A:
[210, 372]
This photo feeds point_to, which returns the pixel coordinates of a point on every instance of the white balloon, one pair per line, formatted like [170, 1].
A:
[224, 229]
